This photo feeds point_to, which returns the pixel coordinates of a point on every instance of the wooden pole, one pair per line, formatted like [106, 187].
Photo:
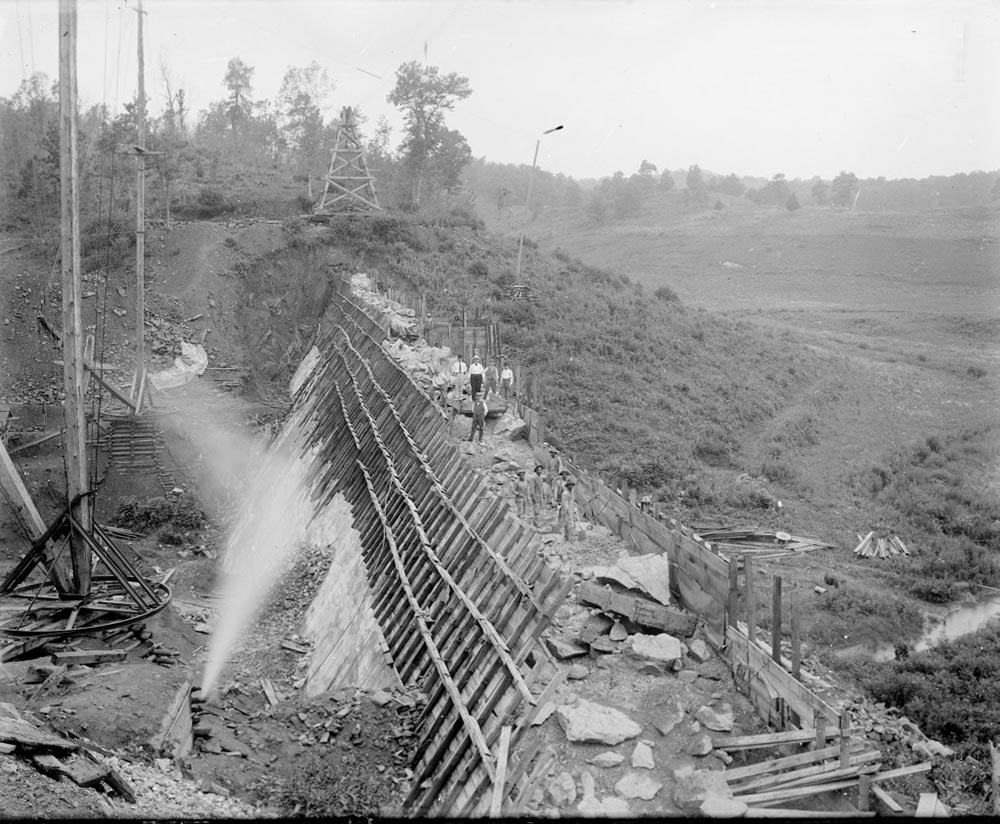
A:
[995, 779]
[793, 597]
[751, 601]
[73, 408]
[140, 216]
[733, 591]
[776, 619]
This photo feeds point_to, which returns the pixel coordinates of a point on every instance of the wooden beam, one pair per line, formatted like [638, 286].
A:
[793, 598]
[777, 764]
[791, 812]
[751, 599]
[498, 783]
[776, 619]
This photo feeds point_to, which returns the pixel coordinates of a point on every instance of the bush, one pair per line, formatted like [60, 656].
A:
[976, 372]
[666, 294]
[479, 269]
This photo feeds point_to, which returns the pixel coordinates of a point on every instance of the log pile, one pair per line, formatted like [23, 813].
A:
[871, 547]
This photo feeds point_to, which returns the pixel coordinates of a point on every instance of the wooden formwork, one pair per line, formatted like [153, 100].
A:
[458, 587]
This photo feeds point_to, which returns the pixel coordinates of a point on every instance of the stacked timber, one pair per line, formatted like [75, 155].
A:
[871, 547]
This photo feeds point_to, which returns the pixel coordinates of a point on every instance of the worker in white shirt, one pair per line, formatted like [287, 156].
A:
[476, 374]
[506, 380]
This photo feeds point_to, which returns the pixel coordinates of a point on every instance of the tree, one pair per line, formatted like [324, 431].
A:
[667, 183]
[423, 94]
[792, 204]
[995, 191]
[303, 93]
[731, 185]
[696, 184]
[237, 80]
[450, 156]
[843, 188]
[776, 191]
[647, 169]
[820, 192]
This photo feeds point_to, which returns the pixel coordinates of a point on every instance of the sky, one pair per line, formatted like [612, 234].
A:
[894, 88]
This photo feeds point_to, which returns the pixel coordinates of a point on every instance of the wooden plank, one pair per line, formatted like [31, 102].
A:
[797, 792]
[501, 776]
[771, 739]
[791, 812]
[734, 593]
[89, 656]
[809, 774]
[270, 693]
[885, 798]
[117, 783]
[900, 772]
[777, 764]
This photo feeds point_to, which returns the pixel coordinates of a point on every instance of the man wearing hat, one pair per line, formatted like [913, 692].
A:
[536, 491]
[521, 493]
[476, 372]
[556, 470]
[567, 510]
[479, 410]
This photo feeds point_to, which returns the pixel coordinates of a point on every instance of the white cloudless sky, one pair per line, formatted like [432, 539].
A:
[899, 88]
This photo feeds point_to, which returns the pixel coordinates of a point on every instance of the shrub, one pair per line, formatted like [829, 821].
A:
[976, 372]
[212, 203]
[666, 294]
[479, 269]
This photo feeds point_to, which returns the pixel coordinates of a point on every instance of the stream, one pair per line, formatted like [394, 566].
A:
[959, 621]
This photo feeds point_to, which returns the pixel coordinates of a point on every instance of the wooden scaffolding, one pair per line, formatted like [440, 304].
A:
[349, 185]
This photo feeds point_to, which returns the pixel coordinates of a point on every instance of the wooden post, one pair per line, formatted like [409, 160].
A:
[819, 721]
[72, 348]
[793, 598]
[995, 781]
[751, 601]
[734, 591]
[776, 619]
[864, 792]
[845, 740]
[140, 216]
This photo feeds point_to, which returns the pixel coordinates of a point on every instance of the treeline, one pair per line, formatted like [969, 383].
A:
[619, 197]
[243, 154]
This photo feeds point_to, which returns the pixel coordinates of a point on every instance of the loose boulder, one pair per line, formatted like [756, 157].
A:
[661, 649]
[587, 721]
[720, 720]
[693, 786]
[638, 785]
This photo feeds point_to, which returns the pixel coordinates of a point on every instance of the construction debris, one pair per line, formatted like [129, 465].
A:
[871, 547]
[764, 543]
[639, 610]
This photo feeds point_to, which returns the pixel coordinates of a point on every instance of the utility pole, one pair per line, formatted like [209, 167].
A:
[72, 349]
[140, 220]
[527, 201]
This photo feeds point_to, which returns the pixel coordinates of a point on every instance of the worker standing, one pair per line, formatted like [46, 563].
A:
[458, 371]
[506, 381]
[556, 470]
[536, 492]
[479, 410]
[476, 373]
[521, 493]
[492, 379]
[567, 510]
